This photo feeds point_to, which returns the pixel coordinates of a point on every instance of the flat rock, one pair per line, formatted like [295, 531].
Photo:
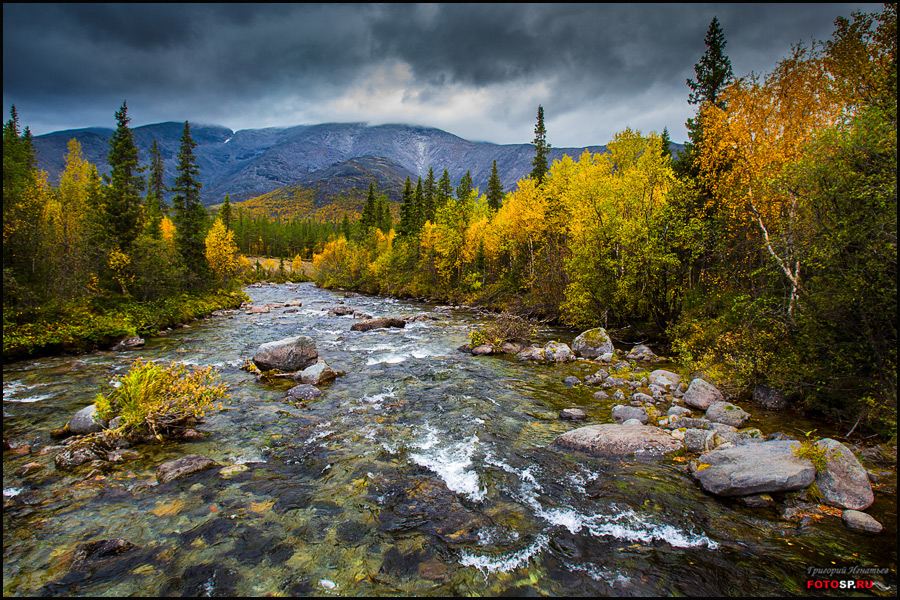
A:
[754, 469]
[379, 323]
[287, 355]
[844, 483]
[317, 374]
[592, 343]
[181, 467]
[613, 440]
[727, 413]
[702, 394]
[861, 522]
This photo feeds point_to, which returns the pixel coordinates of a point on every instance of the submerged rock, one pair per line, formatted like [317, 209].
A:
[181, 467]
[844, 483]
[288, 355]
[614, 440]
[305, 391]
[861, 522]
[593, 343]
[754, 469]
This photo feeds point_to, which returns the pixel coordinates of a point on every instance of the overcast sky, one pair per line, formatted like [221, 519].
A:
[478, 71]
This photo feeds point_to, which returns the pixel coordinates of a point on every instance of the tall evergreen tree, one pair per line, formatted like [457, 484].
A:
[154, 206]
[464, 189]
[122, 207]
[495, 190]
[369, 216]
[383, 209]
[406, 226]
[430, 189]
[225, 213]
[190, 216]
[419, 206]
[666, 150]
[541, 149]
[444, 191]
[345, 227]
[714, 69]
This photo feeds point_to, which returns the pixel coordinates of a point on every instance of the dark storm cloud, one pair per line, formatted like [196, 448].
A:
[593, 67]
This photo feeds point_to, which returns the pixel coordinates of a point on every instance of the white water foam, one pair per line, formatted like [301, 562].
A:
[12, 388]
[10, 492]
[451, 461]
[390, 359]
[505, 564]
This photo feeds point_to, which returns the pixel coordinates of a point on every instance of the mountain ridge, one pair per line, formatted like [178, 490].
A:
[250, 162]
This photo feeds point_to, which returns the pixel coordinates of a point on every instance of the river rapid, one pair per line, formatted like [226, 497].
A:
[423, 471]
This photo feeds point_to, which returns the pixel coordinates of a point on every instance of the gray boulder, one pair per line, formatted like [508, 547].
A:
[622, 413]
[317, 374]
[613, 440]
[287, 355]
[379, 323]
[531, 353]
[699, 440]
[592, 343]
[844, 483]
[129, 343]
[663, 378]
[572, 414]
[642, 398]
[571, 381]
[641, 352]
[861, 522]
[678, 411]
[754, 469]
[558, 352]
[702, 394]
[482, 350]
[86, 421]
[182, 467]
[727, 413]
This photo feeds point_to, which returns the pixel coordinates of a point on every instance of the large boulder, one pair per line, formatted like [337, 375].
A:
[613, 440]
[844, 483]
[379, 323]
[641, 352]
[86, 421]
[287, 355]
[182, 467]
[593, 343]
[727, 413]
[861, 522]
[754, 469]
[702, 394]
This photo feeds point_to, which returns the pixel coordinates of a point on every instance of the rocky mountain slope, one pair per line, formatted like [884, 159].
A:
[251, 162]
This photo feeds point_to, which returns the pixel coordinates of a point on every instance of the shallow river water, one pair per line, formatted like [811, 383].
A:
[424, 471]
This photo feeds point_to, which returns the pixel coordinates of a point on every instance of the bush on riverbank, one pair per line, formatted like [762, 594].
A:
[85, 327]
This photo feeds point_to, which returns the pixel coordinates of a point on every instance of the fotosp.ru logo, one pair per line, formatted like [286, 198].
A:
[852, 577]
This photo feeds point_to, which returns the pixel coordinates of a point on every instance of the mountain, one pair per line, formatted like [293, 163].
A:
[252, 162]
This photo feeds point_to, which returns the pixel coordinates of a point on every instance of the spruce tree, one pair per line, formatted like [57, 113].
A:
[419, 205]
[190, 216]
[406, 226]
[541, 149]
[225, 213]
[495, 190]
[383, 209]
[464, 189]
[444, 191]
[122, 207]
[666, 150]
[345, 227]
[369, 216]
[430, 189]
[154, 206]
[714, 69]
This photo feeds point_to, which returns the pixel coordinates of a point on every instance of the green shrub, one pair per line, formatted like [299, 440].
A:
[159, 399]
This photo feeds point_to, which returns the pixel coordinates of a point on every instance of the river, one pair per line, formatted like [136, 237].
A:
[423, 471]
